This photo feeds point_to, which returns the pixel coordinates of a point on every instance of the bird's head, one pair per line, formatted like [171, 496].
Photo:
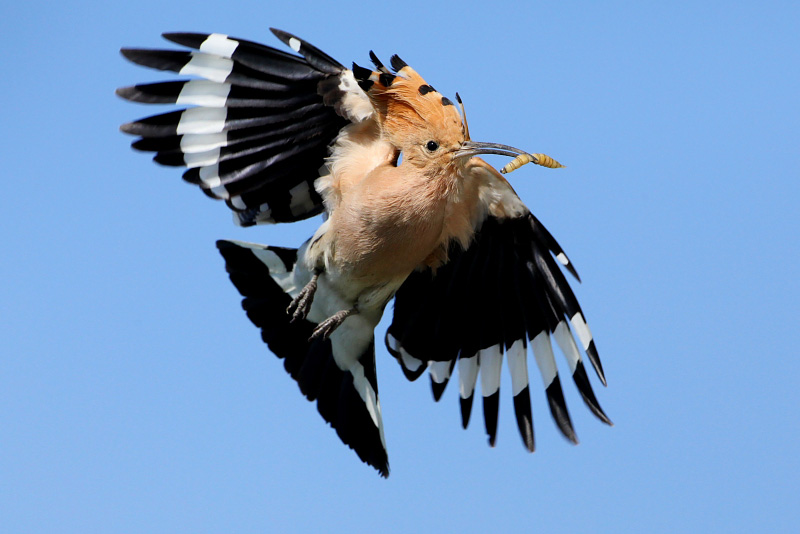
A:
[425, 126]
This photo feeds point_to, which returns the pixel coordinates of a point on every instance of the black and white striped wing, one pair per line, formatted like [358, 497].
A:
[260, 124]
[490, 301]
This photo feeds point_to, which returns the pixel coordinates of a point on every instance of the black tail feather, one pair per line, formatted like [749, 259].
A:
[254, 270]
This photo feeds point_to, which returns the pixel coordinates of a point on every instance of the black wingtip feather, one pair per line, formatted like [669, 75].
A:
[128, 93]
[161, 125]
[571, 268]
[130, 53]
[169, 60]
[491, 407]
[409, 374]
[585, 389]
[129, 128]
[157, 144]
[552, 245]
[190, 39]
[558, 408]
[438, 389]
[466, 410]
[313, 55]
[591, 352]
[170, 159]
[522, 410]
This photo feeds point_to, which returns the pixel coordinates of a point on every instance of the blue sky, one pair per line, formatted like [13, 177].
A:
[135, 396]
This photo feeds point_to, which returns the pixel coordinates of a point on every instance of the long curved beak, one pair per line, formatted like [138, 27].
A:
[473, 148]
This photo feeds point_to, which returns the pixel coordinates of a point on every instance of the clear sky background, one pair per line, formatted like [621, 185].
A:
[135, 396]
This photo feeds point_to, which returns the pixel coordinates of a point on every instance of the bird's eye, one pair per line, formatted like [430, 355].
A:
[432, 146]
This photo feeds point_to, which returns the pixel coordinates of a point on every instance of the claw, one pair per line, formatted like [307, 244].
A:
[301, 304]
[327, 327]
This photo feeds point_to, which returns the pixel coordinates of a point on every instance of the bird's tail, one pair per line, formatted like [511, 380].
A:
[339, 372]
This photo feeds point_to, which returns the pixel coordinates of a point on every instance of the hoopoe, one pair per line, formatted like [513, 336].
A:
[410, 213]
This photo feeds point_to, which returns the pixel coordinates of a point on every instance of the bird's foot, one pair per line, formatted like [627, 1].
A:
[301, 304]
[326, 327]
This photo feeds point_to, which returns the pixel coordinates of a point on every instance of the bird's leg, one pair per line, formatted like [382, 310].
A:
[326, 327]
[301, 304]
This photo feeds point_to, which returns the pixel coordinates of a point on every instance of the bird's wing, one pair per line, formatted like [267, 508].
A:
[494, 298]
[260, 124]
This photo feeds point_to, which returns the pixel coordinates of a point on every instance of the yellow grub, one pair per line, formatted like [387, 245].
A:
[539, 159]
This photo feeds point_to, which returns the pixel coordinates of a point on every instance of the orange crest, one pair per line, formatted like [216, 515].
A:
[409, 109]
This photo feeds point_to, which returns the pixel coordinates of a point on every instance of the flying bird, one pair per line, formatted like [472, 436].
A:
[410, 213]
